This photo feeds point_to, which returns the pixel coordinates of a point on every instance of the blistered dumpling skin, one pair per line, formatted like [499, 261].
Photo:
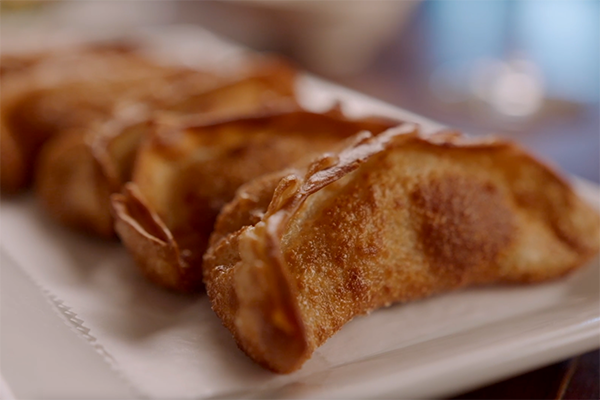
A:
[53, 92]
[392, 218]
[80, 168]
[186, 174]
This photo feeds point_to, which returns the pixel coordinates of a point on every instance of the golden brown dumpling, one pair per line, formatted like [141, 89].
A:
[46, 94]
[77, 171]
[184, 176]
[393, 218]
[13, 63]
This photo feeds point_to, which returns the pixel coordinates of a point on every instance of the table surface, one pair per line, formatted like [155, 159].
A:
[400, 76]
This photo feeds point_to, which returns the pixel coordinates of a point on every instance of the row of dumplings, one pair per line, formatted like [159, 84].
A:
[293, 221]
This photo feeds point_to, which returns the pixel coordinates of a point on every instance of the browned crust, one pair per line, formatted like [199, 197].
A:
[71, 186]
[201, 123]
[21, 132]
[150, 242]
[12, 63]
[187, 191]
[15, 161]
[112, 141]
[456, 244]
[332, 168]
[273, 73]
[260, 307]
[77, 172]
[13, 171]
[248, 205]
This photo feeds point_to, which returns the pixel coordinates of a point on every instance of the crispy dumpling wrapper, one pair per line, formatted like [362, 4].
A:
[393, 218]
[46, 94]
[77, 172]
[185, 175]
[18, 63]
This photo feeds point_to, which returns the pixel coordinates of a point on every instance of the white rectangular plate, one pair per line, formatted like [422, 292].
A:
[139, 341]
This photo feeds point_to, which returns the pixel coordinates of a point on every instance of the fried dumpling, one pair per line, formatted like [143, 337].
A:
[50, 93]
[13, 63]
[393, 218]
[184, 176]
[77, 171]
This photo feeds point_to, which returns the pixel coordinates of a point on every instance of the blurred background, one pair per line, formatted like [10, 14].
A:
[526, 69]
